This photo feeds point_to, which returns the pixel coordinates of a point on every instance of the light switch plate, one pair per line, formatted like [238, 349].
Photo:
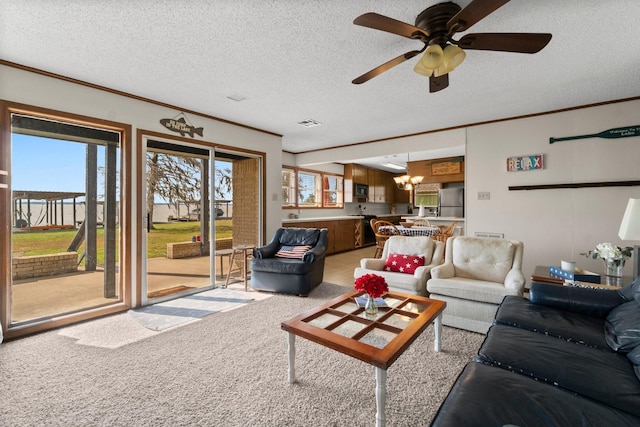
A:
[484, 195]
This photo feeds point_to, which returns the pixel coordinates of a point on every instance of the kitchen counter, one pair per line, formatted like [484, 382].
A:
[322, 218]
[436, 218]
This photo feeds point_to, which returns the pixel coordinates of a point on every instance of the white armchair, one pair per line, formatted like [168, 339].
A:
[415, 283]
[476, 276]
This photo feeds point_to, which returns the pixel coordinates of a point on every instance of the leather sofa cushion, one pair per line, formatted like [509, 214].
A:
[576, 327]
[281, 265]
[483, 259]
[487, 396]
[622, 327]
[631, 291]
[605, 376]
[634, 356]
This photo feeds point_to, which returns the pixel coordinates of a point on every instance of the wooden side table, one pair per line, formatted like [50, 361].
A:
[239, 263]
[542, 274]
[222, 253]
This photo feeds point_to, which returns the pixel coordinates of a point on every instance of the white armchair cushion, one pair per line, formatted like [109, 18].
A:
[476, 276]
[482, 259]
[411, 283]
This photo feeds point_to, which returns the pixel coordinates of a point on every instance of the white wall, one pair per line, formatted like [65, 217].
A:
[554, 224]
[38, 90]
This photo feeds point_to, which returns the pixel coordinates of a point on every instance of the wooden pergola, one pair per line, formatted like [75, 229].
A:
[51, 199]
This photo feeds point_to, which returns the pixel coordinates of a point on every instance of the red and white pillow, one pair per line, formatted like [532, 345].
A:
[294, 252]
[400, 263]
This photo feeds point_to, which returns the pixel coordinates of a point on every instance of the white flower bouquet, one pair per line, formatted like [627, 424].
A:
[610, 253]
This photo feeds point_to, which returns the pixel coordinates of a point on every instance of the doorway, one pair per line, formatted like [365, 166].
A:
[65, 211]
[193, 198]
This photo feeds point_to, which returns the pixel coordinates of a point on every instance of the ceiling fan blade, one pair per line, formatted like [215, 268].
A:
[385, 67]
[438, 83]
[390, 25]
[474, 12]
[506, 42]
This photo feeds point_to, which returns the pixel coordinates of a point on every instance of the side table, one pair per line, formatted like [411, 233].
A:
[239, 263]
[542, 274]
[222, 253]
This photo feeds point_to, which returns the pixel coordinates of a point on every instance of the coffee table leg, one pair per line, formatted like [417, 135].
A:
[438, 329]
[381, 397]
[291, 352]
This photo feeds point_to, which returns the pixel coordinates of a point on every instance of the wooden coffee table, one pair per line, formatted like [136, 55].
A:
[378, 340]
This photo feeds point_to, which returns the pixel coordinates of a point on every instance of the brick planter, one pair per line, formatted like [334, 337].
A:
[26, 267]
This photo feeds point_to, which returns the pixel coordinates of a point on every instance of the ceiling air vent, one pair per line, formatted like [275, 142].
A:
[309, 123]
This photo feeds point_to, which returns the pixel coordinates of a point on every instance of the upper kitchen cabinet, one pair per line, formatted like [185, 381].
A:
[381, 185]
[360, 174]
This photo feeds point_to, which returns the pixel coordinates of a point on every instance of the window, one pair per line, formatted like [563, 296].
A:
[310, 189]
[332, 191]
[288, 188]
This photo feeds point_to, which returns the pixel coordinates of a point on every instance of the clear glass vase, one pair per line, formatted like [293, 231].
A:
[370, 307]
[614, 269]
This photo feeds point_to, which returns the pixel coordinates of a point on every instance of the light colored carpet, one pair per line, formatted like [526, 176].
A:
[228, 369]
[172, 313]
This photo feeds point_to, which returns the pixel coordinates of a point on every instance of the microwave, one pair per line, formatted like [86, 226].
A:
[360, 190]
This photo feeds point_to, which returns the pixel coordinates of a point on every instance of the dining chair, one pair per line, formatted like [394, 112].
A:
[445, 233]
[382, 230]
[421, 222]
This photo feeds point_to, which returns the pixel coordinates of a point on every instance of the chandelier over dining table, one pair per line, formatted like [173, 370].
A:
[407, 182]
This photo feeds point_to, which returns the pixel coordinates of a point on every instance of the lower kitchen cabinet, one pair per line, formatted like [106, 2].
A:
[344, 234]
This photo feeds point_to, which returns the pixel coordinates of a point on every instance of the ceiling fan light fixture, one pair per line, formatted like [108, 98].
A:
[441, 70]
[453, 56]
[432, 57]
[421, 69]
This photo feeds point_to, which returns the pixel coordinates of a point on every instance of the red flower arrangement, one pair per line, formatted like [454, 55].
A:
[372, 284]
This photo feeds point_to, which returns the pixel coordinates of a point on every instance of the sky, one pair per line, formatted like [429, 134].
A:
[46, 164]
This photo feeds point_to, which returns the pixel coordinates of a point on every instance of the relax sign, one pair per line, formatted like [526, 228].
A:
[525, 163]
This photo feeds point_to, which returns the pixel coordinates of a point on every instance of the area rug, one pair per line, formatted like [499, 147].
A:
[228, 369]
[175, 312]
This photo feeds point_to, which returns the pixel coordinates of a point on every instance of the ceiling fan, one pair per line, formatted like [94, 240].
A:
[435, 27]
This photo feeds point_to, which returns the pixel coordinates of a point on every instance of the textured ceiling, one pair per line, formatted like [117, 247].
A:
[294, 60]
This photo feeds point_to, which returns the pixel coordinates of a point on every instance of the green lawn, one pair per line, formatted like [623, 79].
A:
[54, 241]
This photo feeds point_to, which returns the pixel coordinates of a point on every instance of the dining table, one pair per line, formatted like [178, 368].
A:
[414, 231]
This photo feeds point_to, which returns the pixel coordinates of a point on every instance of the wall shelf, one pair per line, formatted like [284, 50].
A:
[574, 185]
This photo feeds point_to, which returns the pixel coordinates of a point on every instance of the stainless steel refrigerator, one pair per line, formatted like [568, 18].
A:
[451, 202]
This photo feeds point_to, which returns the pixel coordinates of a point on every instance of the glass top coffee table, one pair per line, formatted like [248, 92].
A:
[375, 339]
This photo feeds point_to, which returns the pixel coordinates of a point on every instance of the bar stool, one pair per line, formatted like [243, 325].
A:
[239, 264]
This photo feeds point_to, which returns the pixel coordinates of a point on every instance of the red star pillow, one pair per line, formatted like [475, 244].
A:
[403, 263]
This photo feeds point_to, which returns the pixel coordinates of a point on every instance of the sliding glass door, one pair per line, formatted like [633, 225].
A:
[65, 229]
[178, 210]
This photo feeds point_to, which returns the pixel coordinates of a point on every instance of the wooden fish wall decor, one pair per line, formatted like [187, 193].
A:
[623, 132]
[182, 127]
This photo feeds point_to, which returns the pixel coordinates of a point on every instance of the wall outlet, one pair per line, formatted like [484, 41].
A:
[484, 195]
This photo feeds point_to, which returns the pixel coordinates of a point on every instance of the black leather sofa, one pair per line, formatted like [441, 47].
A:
[299, 275]
[569, 356]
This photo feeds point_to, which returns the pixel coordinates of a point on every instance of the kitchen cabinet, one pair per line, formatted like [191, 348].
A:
[382, 188]
[360, 174]
[344, 234]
